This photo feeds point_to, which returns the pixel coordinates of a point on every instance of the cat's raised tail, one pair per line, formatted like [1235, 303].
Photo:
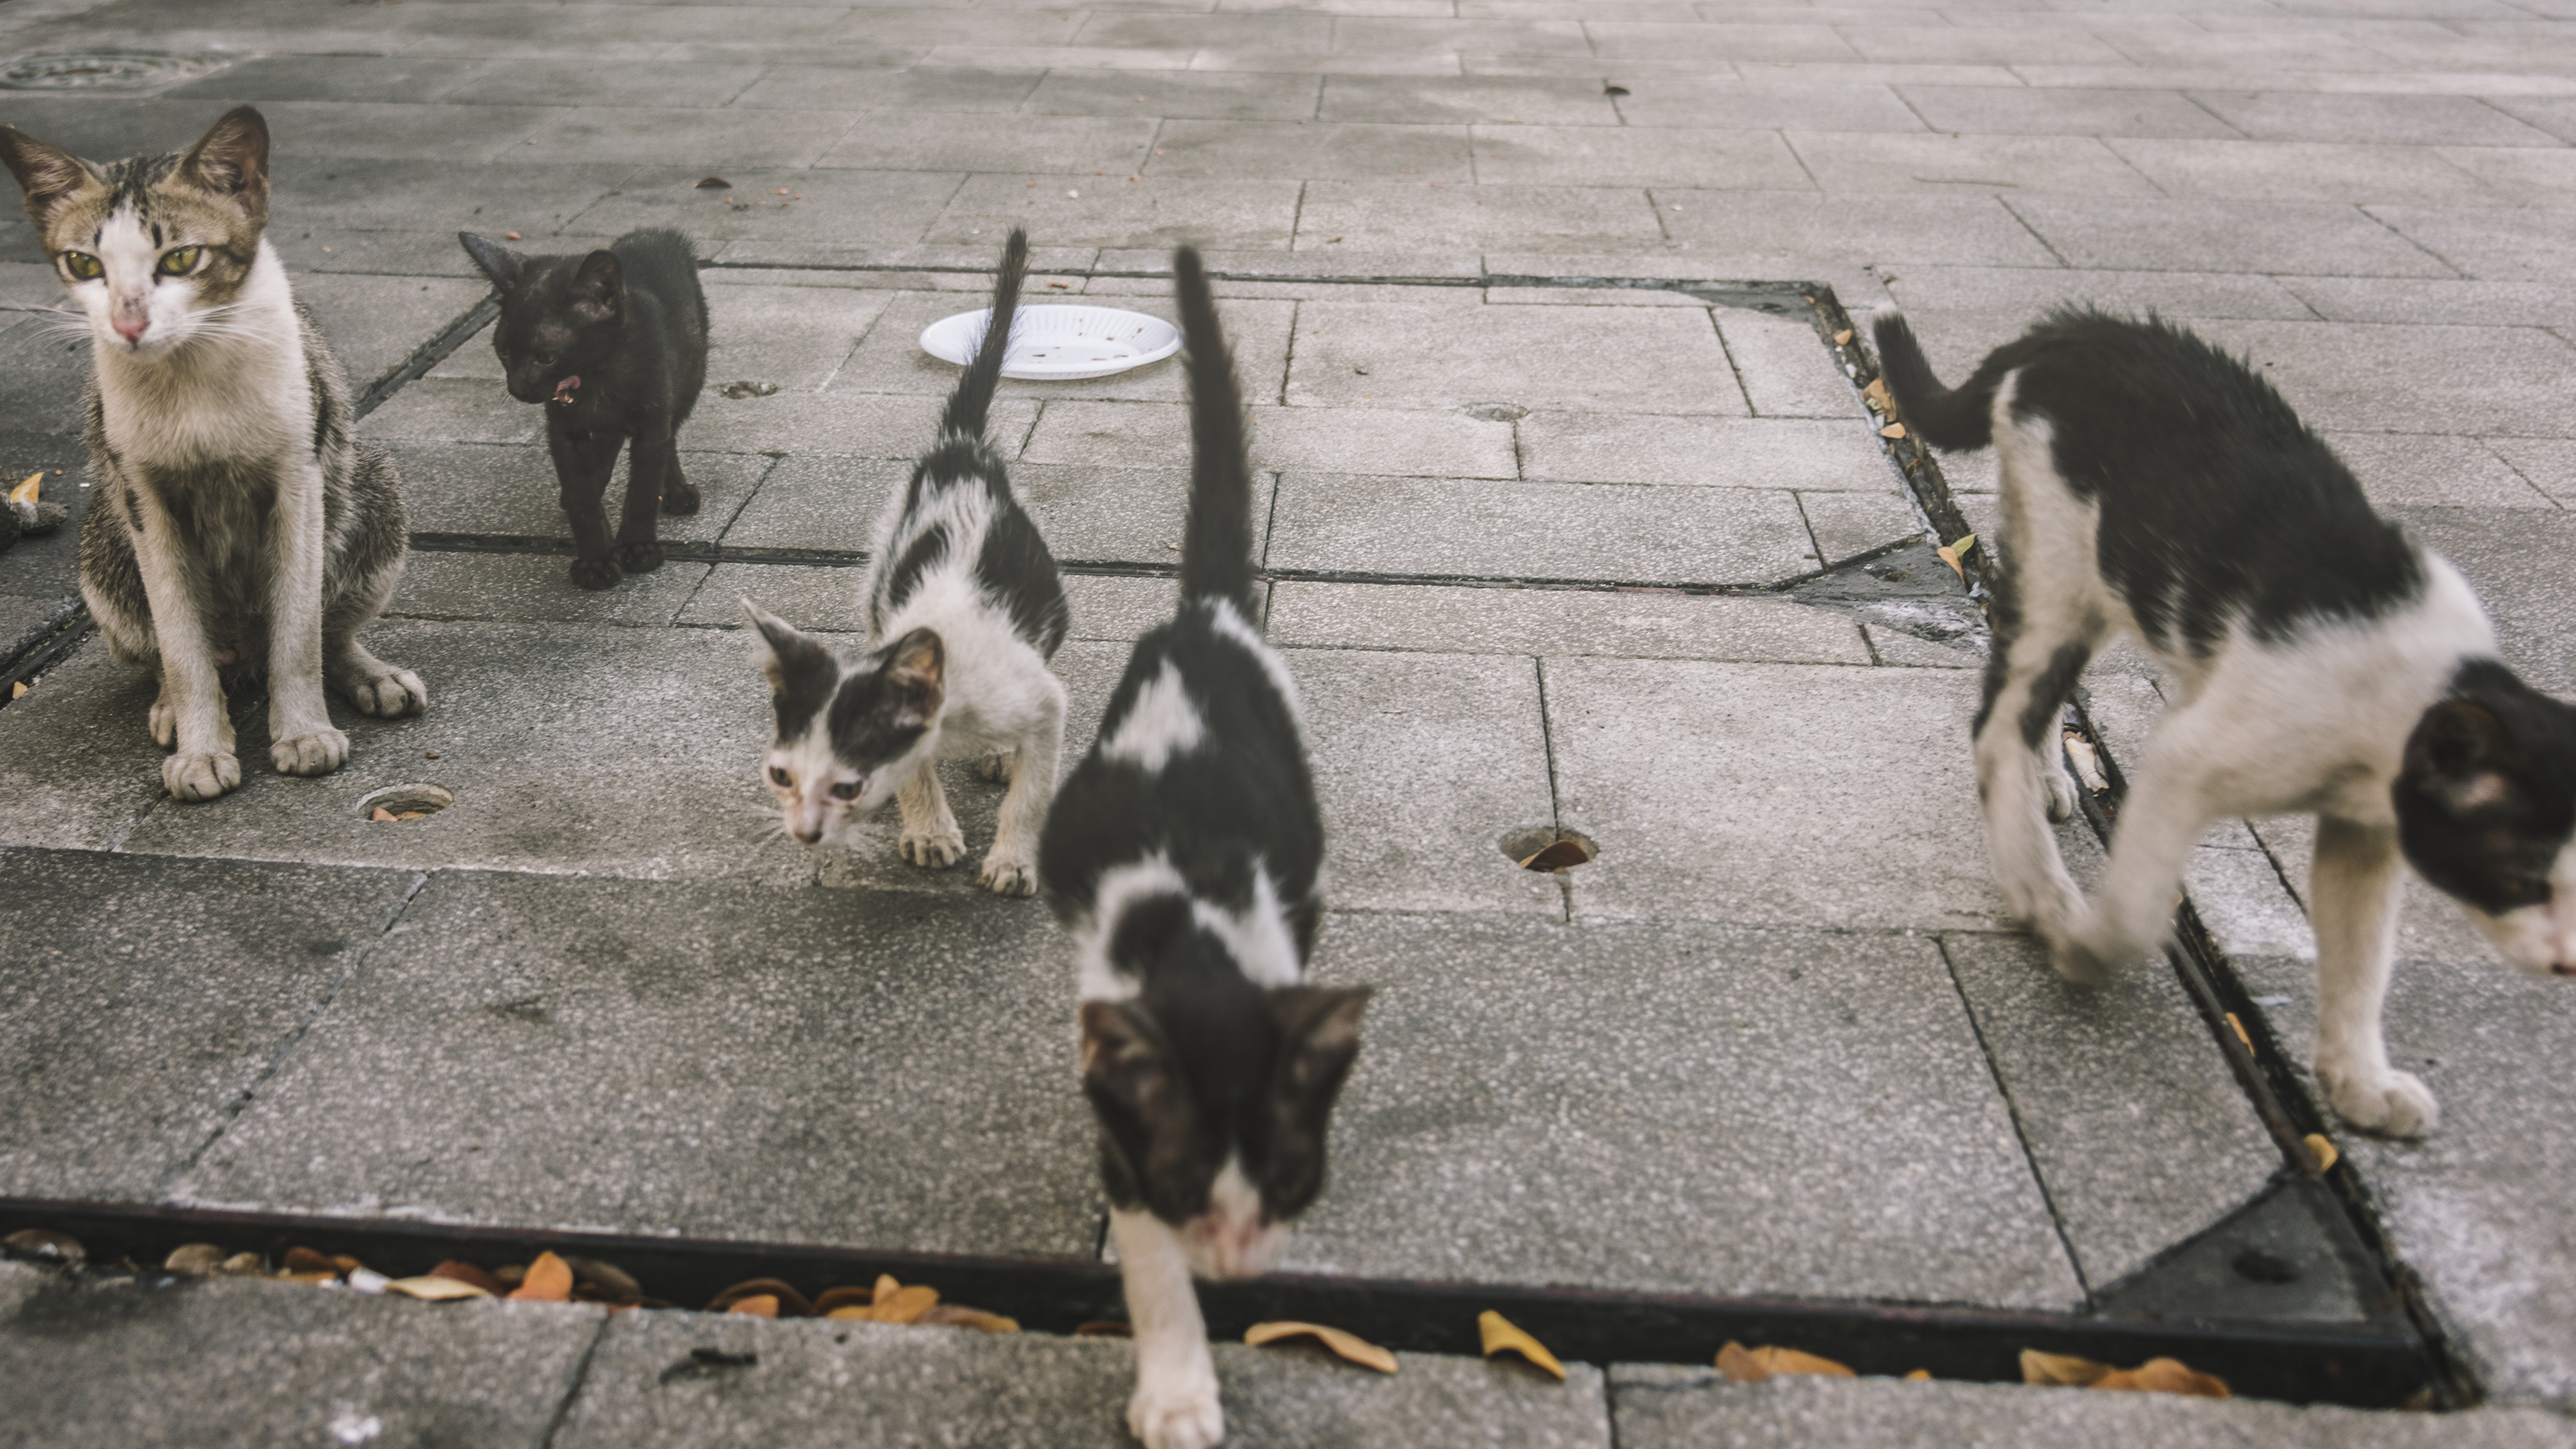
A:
[973, 399]
[1216, 546]
[1947, 418]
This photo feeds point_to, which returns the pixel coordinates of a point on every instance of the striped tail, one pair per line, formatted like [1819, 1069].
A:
[1216, 547]
[972, 402]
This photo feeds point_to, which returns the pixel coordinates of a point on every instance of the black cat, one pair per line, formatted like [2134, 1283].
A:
[615, 345]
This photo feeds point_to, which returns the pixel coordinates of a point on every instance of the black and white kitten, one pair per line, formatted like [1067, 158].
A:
[2326, 663]
[1183, 856]
[964, 610]
[615, 345]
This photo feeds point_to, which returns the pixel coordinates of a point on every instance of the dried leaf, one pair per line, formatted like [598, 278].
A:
[1499, 1334]
[313, 1278]
[382, 815]
[1843, 338]
[45, 1244]
[1919, 1376]
[2240, 1031]
[509, 1275]
[18, 689]
[716, 183]
[1104, 1328]
[468, 1274]
[758, 1305]
[242, 1265]
[2322, 1148]
[2060, 1368]
[949, 1315]
[1752, 1365]
[434, 1288]
[1892, 430]
[1951, 553]
[1557, 856]
[512, 235]
[549, 1280]
[604, 1278]
[346, 1264]
[1876, 396]
[28, 487]
[2166, 1376]
[1350, 1346]
[305, 1260]
[835, 1299]
[197, 1260]
[791, 1304]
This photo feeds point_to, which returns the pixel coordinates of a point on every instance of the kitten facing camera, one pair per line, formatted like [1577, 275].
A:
[1184, 856]
[2324, 662]
[964, 609]
[614, 346]
[239, 527]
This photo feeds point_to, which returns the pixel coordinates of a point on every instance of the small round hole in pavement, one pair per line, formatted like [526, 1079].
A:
[1547, 849]
[397, 803]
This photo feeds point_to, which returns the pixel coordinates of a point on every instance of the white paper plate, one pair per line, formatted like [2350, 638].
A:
[1058, 344]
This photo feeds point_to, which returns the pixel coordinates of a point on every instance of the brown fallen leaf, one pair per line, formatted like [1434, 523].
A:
[1104, 1328]
[712, 183]
[315, 1278]
[45, 1244]
[2239, 1028]
[509, 1275]
[1348, 1345]
[28, 487]
[18, 689]
[468, 1274]
[197, 1260]
[382, 816]
[1752, 1365]
[1892, 430]
[411, 814]
[242, 1265]
[432, 1288]
[1500, 1335]
[512, 235]
[548, 1280]
[2061, 1369]
[305, 1260]
[1876, 396]
[1843, 338]
[347, 1264]
[1951, 553]
[2322, 1148]
[1558, 856]
[949, 1315]
[791, 1304]
[844, 1297]
[2156, 1375]
[1919, 1376]
[758, 1305]
[607, 1280]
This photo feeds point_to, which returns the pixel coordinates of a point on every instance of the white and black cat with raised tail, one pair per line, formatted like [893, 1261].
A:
[1183, 856]
[964, 609]
[2325, 663]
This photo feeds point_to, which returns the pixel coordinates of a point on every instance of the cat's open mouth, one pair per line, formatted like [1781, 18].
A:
[565, 389]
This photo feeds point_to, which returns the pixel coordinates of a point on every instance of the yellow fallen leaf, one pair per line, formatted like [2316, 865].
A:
[905, 1304]
[28, 487]
[18, 689]
[2240, 1031]
[1752, 1365]
[1892, 430]
[1919, 1376]
[548, 1280]
[435, 1289]
[1500, 1334]
[2322, 1148]
[758, 1305]
[382, 814]
[1843, 338]
[1951, 553]
[2155, 1376]
[1876, 396]
[1349, 1345]
[2059, 1368]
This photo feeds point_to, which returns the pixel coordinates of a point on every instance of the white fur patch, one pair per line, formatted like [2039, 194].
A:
[1162, 724]
[1259, 938]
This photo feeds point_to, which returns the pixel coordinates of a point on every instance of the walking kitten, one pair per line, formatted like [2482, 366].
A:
[964, 611]
[238, 523]
[2154, 485]
[615, 345]
[1183, 856]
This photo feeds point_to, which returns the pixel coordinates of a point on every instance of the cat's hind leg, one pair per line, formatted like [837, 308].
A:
[2352, 893]
[930, 838]
[2182, 784]
[679, 495]
[366, 580]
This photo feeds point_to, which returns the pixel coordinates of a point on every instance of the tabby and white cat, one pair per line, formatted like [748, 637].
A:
[238, 523]
[1183, 856]
[964, 610]
[2326, 663]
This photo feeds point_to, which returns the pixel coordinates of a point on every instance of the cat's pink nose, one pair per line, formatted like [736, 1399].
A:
[132, 329]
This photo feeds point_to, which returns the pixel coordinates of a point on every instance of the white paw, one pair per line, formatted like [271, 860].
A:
[389, 696]
[2396, 1105]
[2059, 787]
[164, 720]
[317, 753]
[995, 767]
[1009, 877]
[2082, 956]
[200, 777]
[1177, 1411]
[935, 851]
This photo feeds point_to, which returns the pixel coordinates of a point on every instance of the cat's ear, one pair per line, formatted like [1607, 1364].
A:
[498, 262]
[786, 655]
[49, 175]
[231, 160]
[2464, 755]
[1319, 1028]
[917, 664]
[599, 287]
[1124, 1058]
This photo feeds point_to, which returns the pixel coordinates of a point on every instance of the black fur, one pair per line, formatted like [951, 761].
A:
[614, 346]
[1202, 1063]
[2487, 796]
[2217, 503]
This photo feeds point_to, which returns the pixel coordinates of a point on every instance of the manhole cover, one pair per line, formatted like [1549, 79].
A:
[102, 71]
[397, 803]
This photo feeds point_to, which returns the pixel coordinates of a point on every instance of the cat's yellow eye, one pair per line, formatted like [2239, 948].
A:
[846, 790]
[179, 261]
[83, 266]
[779, 777]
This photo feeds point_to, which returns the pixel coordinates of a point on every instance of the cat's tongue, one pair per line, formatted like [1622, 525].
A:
[564, 389]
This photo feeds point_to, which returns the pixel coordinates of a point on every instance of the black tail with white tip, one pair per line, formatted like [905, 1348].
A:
[1216, 548]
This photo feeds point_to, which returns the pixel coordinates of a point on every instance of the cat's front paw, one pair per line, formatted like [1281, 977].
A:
[390, 695]
[680, 499]
[2395, 1105]
[318, 753]
[933, 850]
[2082, 957]
[1177, 1411]
[1009, 876]
[200, 777]
[596, 573]
[641, 557]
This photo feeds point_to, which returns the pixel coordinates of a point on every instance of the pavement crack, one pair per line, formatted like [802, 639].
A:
[2007, 205]
[579, 1379]
[1555, 808]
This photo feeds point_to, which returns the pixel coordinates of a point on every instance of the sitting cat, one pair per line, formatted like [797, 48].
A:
[615, 345]
[238, 522]
[964, 611]
[1183, 857]
[2156, 486]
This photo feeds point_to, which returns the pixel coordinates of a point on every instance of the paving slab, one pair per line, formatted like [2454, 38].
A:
[1533, 155]
[1656, 1406]
[2436, 470]
[2251, 235]
[1356, 151]
[1785, 233]
[560, 1052]
[420, 195]
[2063, 111]
[1039, 145]
[798, 1384]
[1596, 359]
[2408, 379]
[346, 78]
[1622, 624]
[2524, 244]
[2032, 290]
[535, 588]
[1367, 438]
[375, 324]
[867, 425]
[1350, 523]
[660, 84]
[2128, 1108]
[1158, 212]
[2303, 171]
[1784, 365]
[1198, 95]
[1852, 524]
[816, 597]
[843, 208]
[511, 490]
[2394, 120]
[118, 1361]
[1808, 758]
[120, 1070]
[1409, 216]
[1762, 452]
[2510, 558]
[1519, 100]
[1577, 1137]
[1886, 162]
[1721, 100]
